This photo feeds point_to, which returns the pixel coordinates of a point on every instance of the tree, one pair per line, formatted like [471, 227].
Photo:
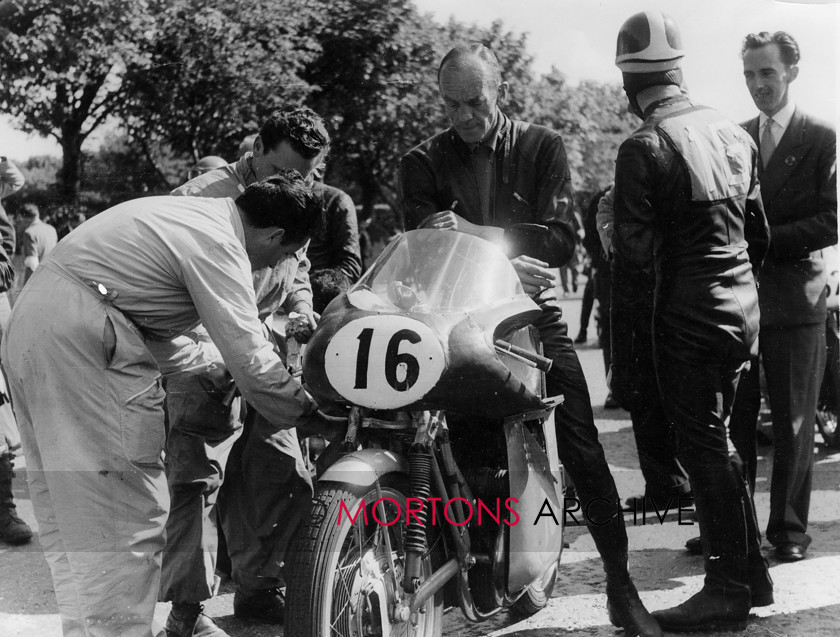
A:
[220, 68]
[373, 79]
[592, 119]
[377, 79]
[63, 64]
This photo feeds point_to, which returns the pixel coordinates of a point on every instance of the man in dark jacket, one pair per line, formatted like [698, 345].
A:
[798, 174]
[689, 232]
[481, 176]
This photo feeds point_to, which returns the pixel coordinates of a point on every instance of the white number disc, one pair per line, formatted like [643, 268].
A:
[384, 362]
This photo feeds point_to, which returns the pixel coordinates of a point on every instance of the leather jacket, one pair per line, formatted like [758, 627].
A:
[690, 232]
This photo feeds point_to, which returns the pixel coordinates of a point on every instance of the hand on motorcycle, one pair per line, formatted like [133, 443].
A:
[448, 220]
[533, 274]
[310, 314]
[320, 424]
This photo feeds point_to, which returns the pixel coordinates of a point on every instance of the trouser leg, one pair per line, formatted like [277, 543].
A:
[587, 303]
[577, 441]
[698, 399]
[93, 440]
[202, 432]
[266, 494]
[583, 458]
[602, 294]
[655, 440]
[793, 362]
[744, 421]
[64, 583]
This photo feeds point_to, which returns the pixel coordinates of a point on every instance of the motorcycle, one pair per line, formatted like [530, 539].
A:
[447, 490]
[828, 403]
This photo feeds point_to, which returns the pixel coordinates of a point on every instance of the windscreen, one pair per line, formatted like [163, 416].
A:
[436, 271]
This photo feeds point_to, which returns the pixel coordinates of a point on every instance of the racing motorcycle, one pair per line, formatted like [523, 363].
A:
[828, 404]
[447, 490]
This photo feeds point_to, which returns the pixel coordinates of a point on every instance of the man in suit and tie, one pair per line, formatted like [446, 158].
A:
[798, 176]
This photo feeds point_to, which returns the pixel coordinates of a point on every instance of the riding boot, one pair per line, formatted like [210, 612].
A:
[761, 584]
[13, 530]
[625, 608]
[724, 601]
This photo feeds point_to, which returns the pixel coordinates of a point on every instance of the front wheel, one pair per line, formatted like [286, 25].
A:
[344, 578]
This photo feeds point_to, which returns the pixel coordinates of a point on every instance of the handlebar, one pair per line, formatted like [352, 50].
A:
[531, 359]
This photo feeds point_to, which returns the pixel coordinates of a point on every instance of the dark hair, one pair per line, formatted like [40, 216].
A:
[301, 126]
[788, 48]
[283, 201]
[30, 210]
[475, 50]
[326, 285]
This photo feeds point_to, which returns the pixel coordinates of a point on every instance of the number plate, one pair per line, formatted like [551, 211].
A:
[384, 362]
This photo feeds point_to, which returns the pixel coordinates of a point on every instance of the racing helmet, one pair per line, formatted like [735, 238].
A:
[205, 164]
[649, 42]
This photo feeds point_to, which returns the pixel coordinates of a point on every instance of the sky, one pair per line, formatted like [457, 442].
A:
[578, 38]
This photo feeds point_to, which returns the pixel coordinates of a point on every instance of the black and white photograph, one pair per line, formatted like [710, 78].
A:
[419, 318]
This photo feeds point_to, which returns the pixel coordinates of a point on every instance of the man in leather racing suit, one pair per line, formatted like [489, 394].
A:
[502, 172]
[689, 232]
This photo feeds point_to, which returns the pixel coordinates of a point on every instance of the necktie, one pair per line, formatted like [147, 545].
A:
[768, 143]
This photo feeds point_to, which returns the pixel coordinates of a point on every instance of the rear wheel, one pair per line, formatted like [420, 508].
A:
[344, 578]
[827, 424]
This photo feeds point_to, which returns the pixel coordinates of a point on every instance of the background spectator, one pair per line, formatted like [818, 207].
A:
[38, 239]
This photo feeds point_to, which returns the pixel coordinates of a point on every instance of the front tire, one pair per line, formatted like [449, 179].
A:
[340, 580]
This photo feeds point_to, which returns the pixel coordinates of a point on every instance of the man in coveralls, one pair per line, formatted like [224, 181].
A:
[502, 172]
[87, 389]
[689, 232]
[263, 486]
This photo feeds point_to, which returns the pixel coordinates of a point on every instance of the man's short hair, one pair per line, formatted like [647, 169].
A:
[30, 210]
[283, 201]
[788, 48]
[302, 127]
[326, 285]
[475, 50]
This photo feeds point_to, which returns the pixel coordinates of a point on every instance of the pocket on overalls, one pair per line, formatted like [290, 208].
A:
[139, 389]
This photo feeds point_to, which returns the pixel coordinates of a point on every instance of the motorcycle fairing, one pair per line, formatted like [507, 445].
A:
[536, 481]
[470, 377]
[418, 330]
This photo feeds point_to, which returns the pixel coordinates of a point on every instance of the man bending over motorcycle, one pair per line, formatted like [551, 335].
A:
[497, 172]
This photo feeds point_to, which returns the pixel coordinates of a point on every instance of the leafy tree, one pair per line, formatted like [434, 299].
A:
[377, 75]
[220, 68]
[374, 79]
[63, 64]
[592, 119]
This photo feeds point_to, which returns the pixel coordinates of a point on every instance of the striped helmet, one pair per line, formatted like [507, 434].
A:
[649, 42]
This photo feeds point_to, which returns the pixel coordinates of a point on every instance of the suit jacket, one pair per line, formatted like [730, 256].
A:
[799, 192]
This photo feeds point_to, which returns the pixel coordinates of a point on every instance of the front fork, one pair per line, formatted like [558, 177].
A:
[428, 470]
